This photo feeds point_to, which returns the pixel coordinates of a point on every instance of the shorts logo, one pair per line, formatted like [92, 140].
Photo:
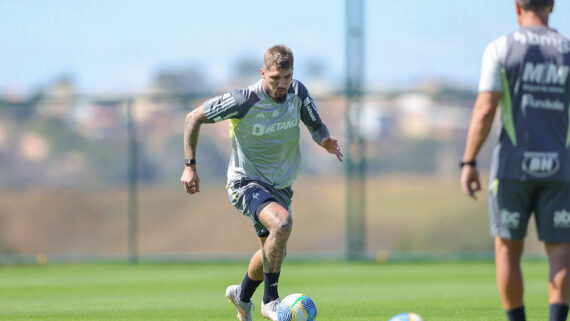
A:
[562, 219]
[540, 164]
[510, 220]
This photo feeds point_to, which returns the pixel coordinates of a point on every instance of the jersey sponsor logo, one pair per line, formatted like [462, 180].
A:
[275, 113]
[511, 220]
[552, 40]
[310, 111]
[543, 88]
[561, 219]
[540, 164]
[260, 129]
[308, 103]
[529, 100]
[545, 73]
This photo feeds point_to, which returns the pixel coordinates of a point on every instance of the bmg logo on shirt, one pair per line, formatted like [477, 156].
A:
[540, 164]
[536, 39]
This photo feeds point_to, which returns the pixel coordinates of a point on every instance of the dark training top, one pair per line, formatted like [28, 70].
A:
[531, 67]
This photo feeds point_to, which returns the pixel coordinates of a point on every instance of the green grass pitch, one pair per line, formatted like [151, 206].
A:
[342, 291]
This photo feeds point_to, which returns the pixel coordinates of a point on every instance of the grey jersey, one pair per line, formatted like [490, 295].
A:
[531, 67]
[264, 134]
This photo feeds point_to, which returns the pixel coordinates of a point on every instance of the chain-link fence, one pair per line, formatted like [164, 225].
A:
[78, 182]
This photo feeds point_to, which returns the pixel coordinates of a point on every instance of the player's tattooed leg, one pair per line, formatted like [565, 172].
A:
[279, 222]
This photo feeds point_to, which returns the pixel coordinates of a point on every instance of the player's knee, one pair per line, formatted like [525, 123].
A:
[560, 275]
[509, 249]
[559, 285]
[284, 225]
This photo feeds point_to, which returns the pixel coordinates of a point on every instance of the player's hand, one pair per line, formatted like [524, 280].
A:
[470, 181]
[190, 180]
[331, 145]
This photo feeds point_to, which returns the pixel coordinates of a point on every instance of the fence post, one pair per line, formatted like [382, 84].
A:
[133, 182]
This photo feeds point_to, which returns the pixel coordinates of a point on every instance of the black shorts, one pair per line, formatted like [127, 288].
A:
[512, 202]
[249, 196]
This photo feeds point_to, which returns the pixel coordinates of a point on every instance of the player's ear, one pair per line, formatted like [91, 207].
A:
[262, 73]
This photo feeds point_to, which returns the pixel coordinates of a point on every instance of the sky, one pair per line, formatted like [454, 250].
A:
[117, 46]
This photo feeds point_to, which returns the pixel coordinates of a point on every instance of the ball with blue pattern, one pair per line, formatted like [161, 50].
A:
[408, 316]
[297, 307]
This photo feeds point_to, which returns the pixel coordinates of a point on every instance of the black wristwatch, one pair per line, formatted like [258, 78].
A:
[472, 163]
[189, 161]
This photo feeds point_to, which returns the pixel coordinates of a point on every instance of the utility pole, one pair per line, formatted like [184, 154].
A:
[356, 149]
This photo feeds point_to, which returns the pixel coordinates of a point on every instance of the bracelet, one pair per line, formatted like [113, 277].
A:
[472, 163]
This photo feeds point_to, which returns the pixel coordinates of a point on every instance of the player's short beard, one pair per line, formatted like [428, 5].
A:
[279, 98]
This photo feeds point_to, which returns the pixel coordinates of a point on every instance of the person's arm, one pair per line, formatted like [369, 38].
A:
[481, 122]
[190, 179]
[317, 128]
[321, 136]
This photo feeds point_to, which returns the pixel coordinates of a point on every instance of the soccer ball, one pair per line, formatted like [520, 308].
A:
[406, 317]
[297, 307]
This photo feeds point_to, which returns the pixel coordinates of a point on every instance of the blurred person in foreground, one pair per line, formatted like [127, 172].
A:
[265, 161]
[527, 73]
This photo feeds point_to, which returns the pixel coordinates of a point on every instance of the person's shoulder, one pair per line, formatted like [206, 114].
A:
[562, 43]
[298, 88]
[535, 35]
[562, 37]
[499, 46]
[247, 94]
[542, 36]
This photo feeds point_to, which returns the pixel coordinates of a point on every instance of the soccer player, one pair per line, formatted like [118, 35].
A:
[527, 73]
[265, 161]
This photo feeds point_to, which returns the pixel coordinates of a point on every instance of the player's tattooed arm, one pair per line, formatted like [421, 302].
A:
[194, 120]
[190, 179]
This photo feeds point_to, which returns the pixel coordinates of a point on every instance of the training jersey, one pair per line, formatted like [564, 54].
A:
[264, 133]
[531, 68]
